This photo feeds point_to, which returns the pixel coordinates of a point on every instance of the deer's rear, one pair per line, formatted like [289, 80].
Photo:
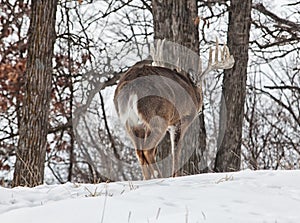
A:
[151, 100]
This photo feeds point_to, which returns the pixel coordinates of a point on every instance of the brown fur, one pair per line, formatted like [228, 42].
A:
[165, 98]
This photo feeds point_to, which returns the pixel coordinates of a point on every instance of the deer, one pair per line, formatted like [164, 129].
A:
[152, 99]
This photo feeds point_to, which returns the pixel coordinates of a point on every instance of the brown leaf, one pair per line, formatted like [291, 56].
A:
[196, 21]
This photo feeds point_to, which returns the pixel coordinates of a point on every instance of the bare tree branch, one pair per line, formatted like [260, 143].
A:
[261, 8]
[284, 87]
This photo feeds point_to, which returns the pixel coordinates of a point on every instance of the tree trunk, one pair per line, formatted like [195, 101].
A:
[175, 21]
[30, 154]
[234, 89]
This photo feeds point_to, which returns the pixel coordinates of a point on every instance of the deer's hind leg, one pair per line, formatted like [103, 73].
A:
[148, 163]
[143, 163]
[153, 168]
[137, 135]
[156, 130]
[145, 138]
[176, 136]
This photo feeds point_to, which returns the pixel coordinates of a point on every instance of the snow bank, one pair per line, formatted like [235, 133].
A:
[247, 196]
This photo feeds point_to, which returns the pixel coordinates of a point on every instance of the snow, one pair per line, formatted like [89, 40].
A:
[246, 196]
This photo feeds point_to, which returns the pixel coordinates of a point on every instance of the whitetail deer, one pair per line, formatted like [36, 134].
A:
[152, 99]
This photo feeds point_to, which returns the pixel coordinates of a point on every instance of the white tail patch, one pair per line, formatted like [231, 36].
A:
[129, 113]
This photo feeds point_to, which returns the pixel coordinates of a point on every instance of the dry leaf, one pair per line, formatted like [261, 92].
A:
[197, 21]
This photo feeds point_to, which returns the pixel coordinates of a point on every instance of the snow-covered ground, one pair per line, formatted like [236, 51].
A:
[247, 196]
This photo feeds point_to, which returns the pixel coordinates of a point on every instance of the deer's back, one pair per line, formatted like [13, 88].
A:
[156, 91]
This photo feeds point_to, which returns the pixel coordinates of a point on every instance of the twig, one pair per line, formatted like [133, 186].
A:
[158, 212]
[104, 205]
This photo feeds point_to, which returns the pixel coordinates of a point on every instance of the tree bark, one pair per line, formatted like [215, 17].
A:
[234, 89]
[30, 154]
[175, 21]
